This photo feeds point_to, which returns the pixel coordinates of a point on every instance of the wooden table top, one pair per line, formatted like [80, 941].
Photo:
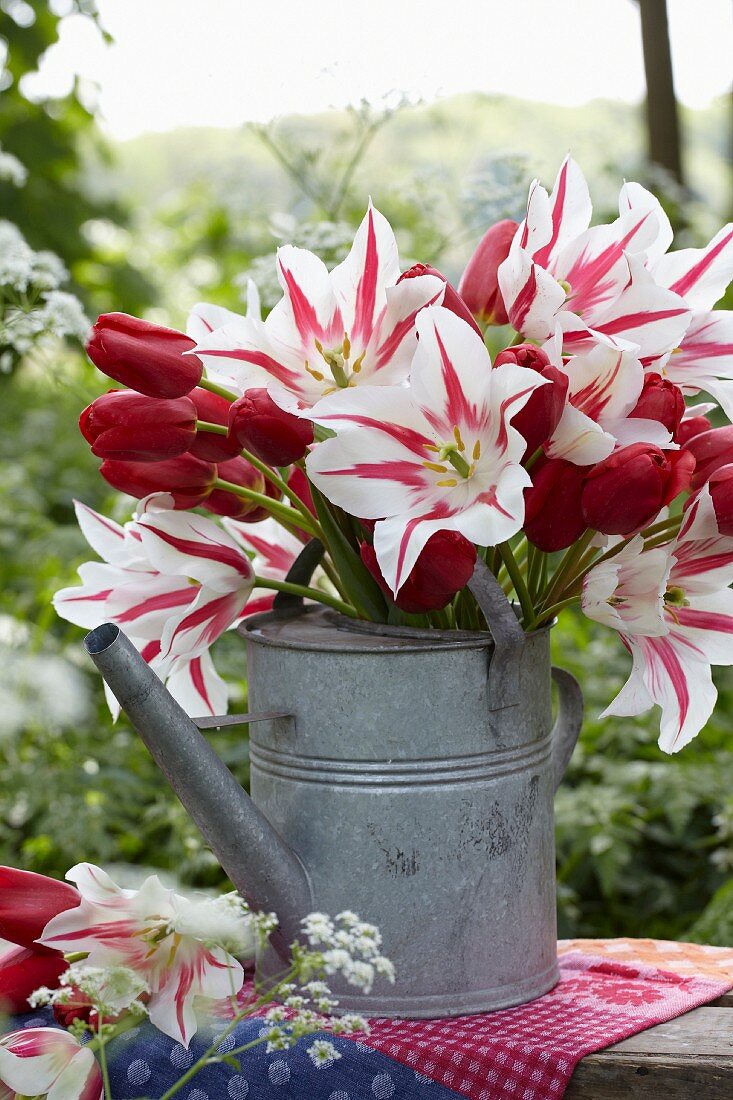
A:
[688, 1058]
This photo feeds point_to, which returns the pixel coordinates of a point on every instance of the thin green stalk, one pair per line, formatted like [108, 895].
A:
[672, 522]
[207, 426]
[551, 612]
[103, 1059]
[285, 489]
[307, 594]
[212, 387]
[280, 511]
[518, 581]
[572, 557]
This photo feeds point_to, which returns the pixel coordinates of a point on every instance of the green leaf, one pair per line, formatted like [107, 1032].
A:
[361, 588]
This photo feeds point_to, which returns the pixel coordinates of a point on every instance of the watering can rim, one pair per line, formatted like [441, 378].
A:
[356, 634]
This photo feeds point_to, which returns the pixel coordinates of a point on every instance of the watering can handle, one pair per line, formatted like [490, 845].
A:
[507, 634]
[300, 572]
[569, 721]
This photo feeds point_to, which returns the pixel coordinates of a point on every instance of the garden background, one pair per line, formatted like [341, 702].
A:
[152, 224]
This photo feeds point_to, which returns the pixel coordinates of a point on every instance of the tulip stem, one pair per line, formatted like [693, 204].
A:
[518, 581]
[555, 588]
[307, 594]
[101, 1039]
[287, 516]
[282, 485]
[207, 426]
[212, 387]
[551, 612]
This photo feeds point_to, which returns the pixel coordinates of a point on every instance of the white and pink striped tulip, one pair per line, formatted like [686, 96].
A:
[349, 327]
[47, 1062]
[158, 934]
[673, 608]
[174, 581]
[437, 455]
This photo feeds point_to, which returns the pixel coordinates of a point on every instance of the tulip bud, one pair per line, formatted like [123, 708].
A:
[721, 491]
[626, 491]
[187, 479]
[479, 285]
[223, 502]
[272, 435]
[689, 427]
[712, 449]
[126, 425]
[146, 357]
[451, 298]
[660, 400]
[445, 565]
[553, 517]
[541, 415]
[212, 409]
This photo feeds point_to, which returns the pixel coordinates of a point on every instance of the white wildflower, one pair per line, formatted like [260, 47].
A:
[16, 258]
[12, 170]
[217, 922]
[48, 271]
[318, 928]
[322, 1053]
[62, 315]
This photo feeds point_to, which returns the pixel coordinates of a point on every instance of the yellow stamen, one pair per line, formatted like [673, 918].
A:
[319, 347]
[356, 366]
[448, 482]
[314, 373]
[347, 346]
[436, 466]
[459, 441]
[432, 447]
[477, 450]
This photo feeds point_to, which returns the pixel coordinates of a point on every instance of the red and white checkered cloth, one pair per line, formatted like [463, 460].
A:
[608, 990]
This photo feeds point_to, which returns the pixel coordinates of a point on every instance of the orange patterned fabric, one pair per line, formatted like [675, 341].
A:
[687, 959]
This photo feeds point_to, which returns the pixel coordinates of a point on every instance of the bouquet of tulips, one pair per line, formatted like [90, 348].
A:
[365, 411]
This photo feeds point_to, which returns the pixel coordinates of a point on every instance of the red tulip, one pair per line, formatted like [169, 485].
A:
[479, 285]
[23, 970]
[553, 517]
[223, 502]
[451, 298]
[214, 409]
[272, 435]
[189, 480]
[626, 491]
[301, 486]
[690, 427]
[541, 415]
[445, 565]
[126, 425]
[146, 357]
[721, 491]
[712, 449]
[660, 400]
[27, 903]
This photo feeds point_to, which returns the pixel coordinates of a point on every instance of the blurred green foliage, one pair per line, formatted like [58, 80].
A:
[644, 841]
[57, 140]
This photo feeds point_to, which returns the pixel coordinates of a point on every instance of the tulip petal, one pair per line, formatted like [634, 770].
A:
[205, 318]
[699, 275]
[309, 312]
[570, 210]
[192, 546]
[207, 618]
[650, 316]
[197, 687]
[579, 439]
[708, 624]
[531, 295]
[28, 901]
[143, 608]
[643, 222]
[360, 281]
[394, 339]
[80, 1080]
[105, 537]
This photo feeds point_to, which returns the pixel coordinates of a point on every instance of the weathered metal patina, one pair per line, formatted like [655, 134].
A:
[408, 775]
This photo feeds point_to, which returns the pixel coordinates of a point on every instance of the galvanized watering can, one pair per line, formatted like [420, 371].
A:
[407, 775]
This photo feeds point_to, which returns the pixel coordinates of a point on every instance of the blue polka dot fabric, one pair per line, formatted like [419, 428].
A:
[144, 1064]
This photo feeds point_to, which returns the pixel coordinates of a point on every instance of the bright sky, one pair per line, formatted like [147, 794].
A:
[224, 62]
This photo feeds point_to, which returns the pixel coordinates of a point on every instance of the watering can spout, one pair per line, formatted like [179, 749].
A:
[263, 868]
